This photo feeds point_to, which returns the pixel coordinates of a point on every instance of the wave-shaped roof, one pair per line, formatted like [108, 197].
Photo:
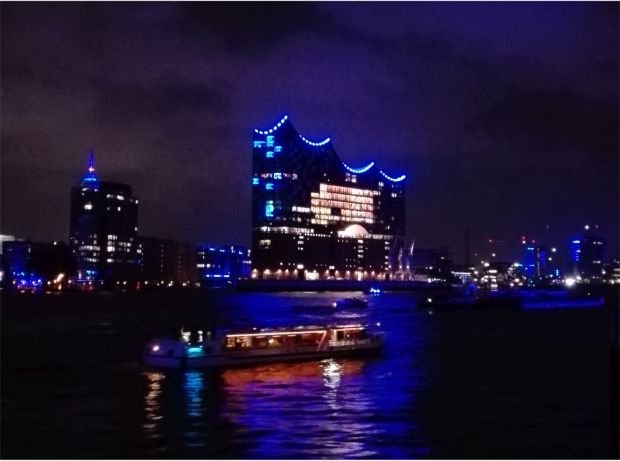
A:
[359, 170]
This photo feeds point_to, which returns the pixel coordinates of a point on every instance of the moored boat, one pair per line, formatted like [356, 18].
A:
[198, 348]
[356, 302]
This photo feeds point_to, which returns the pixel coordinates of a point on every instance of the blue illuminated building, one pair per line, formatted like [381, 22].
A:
[587, 256]
[103, 230]
[29, 265]
[218, 264]
[535, 260]
[316, 217]
[16, 255]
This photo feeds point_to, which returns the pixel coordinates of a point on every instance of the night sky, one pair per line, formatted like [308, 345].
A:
[504, 116]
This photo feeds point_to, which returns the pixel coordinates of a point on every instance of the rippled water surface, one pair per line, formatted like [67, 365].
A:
[522, 384]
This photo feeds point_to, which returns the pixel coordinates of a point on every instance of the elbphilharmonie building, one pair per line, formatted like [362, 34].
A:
[315, 217]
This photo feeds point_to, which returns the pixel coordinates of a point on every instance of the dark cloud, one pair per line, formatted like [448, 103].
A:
[542, 119]
[247, 26]
[504, 115]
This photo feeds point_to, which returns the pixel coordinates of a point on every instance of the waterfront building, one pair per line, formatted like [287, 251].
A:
[16, 255]
[535, 260]
[103, 230]
[5, 238]
[315, 217]
[5, 274]
[587, 255]
[427, 264]
[222, 263]
[611, 271]
[166, 262]
[30, 265]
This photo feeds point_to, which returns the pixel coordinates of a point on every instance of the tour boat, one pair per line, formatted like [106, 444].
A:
[357, 302]
[198, 348]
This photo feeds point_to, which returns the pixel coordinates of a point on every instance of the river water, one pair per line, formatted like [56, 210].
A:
[480, 384]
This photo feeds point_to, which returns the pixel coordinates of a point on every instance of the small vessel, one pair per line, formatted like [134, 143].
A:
[356, 302]
[199, 348]
[373, 291]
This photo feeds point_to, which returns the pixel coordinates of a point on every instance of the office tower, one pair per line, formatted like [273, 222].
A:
[103, 230]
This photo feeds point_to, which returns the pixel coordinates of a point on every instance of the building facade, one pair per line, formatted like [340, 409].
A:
[315, 217]
[103, 230]
[222, 263]
[30, 265]
[167, 263]
[587, 256]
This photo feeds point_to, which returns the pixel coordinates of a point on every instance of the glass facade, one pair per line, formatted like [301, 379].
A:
[314, 216]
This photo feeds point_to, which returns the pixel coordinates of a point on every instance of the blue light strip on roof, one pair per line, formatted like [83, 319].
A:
[315, 144]
[363, 169]
[275, 127]
[399, 179]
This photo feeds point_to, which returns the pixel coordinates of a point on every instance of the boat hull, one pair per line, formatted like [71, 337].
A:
[229, 360]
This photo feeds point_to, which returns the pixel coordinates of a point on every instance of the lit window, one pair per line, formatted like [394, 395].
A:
[277, 176]
[278, 149]
[269, 154]
[255, 181]
[88, 206]
[269, 186]
[269, 209]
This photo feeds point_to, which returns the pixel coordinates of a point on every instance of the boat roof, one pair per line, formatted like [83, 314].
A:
[291, 330]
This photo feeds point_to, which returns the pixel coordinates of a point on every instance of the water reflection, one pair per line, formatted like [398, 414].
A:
[313, 409]
[152, 405]
[345, 430]
[193, 386]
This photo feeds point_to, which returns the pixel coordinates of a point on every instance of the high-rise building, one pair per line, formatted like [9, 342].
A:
[315, 217]
[535, 260]
[103, 229]
[587, 256]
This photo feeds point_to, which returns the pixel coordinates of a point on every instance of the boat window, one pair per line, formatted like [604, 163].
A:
[339, 335]
[309, 339]
[238, 342]
[275, 341]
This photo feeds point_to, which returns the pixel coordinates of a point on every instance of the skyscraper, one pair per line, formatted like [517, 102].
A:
[103, 229]
[587, 255]
[315, 217]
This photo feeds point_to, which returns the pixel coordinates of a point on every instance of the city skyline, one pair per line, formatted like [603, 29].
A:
[503, 117]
